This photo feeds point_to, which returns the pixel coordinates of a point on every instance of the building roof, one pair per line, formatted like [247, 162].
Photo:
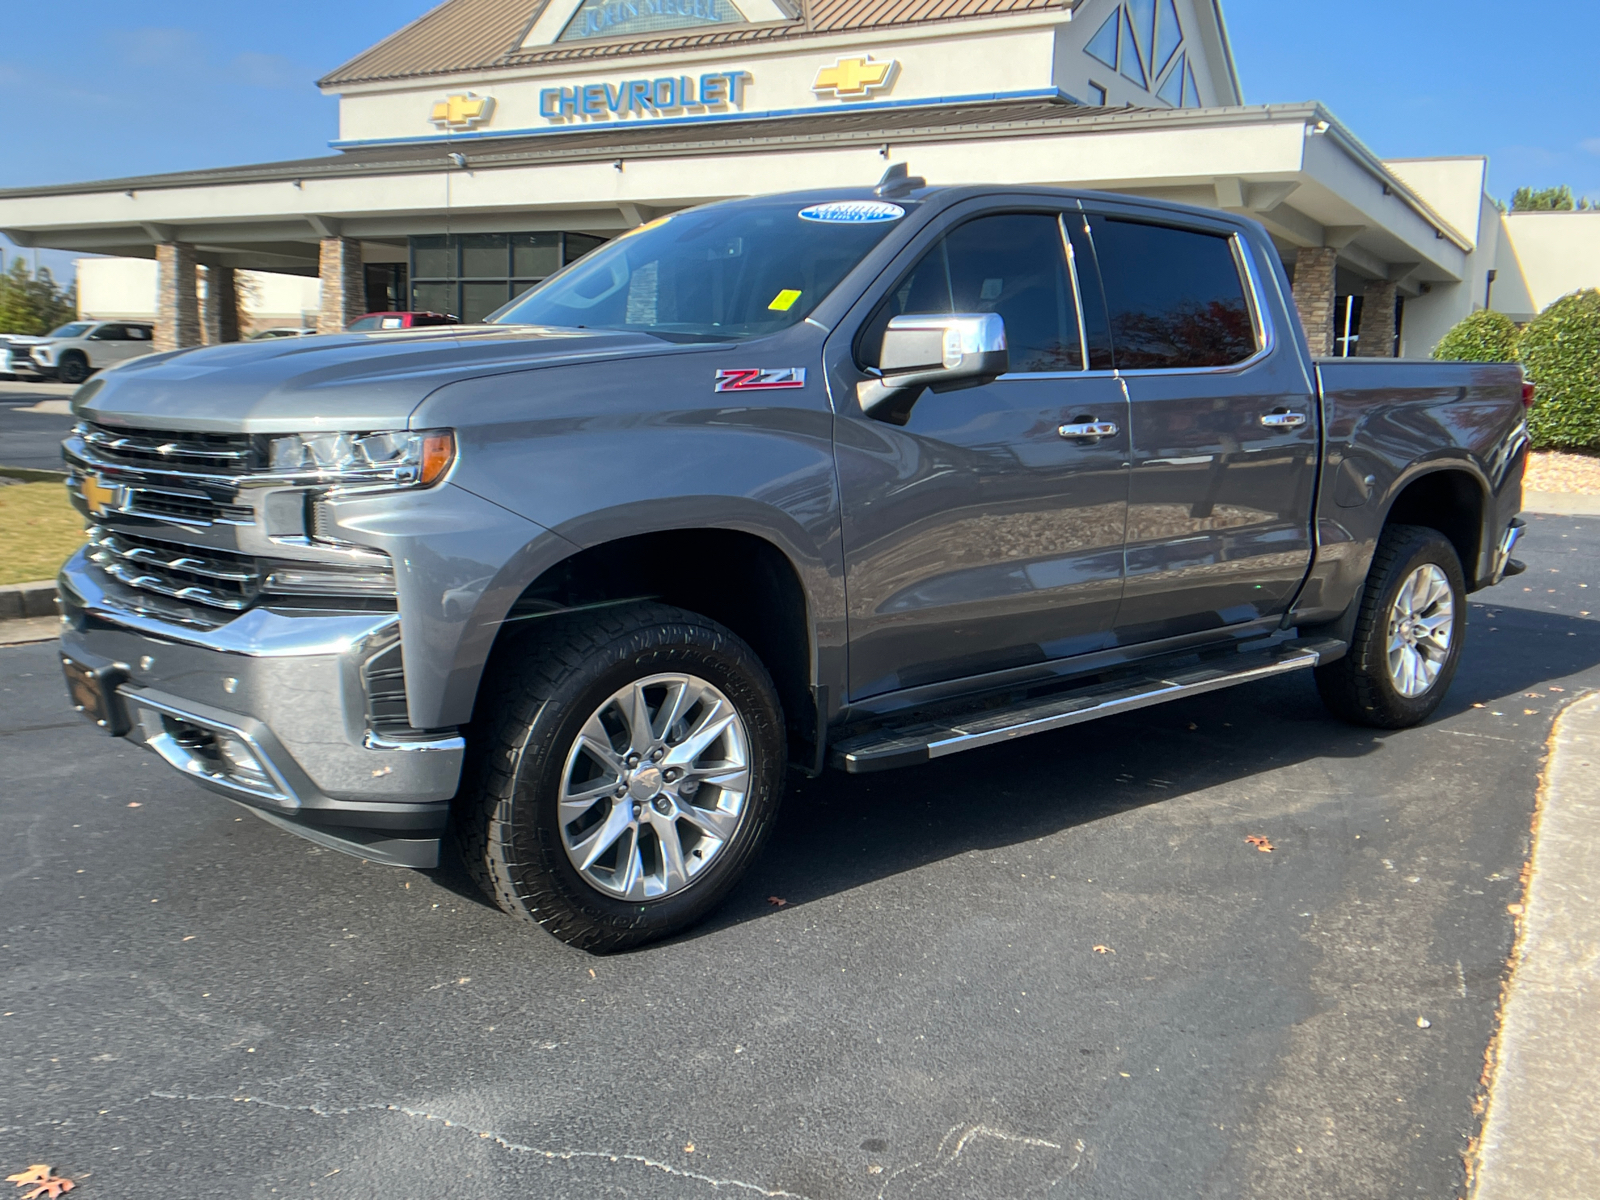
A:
[476, 35]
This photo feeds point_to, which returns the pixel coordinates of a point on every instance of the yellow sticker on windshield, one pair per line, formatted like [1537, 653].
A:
[784, 300]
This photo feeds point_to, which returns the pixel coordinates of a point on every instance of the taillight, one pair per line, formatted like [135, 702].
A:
[1528, 390]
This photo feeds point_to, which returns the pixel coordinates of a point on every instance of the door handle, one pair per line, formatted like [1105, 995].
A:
[1089, 429]
[1283, 419]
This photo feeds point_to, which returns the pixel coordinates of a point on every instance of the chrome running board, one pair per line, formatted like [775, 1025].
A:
[900, 746]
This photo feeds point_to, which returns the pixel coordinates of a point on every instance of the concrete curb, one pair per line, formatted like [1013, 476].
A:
[24, 601]
[1561, 504]
[1541, 1134]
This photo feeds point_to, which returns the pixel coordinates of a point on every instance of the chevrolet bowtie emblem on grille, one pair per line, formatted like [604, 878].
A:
[856, 76]
[462, 112]
[101, 497]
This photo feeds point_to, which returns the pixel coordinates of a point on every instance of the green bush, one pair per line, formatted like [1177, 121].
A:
[1560, 351]
[1485, 336]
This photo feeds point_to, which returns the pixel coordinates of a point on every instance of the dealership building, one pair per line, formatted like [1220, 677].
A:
[489, 142]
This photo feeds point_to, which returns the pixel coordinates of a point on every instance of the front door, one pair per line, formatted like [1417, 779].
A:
[982, 535]
[1225, 430]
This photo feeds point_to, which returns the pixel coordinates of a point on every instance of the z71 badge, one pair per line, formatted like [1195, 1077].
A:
[759, 379]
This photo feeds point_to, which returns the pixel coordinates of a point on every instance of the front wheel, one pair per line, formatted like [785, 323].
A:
[627, 767]
[73, 368]
[1408, 633]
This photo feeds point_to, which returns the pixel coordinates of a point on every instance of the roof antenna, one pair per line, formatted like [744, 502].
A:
[897, 181]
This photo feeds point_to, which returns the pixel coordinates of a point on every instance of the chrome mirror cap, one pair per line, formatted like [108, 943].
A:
[939, 351]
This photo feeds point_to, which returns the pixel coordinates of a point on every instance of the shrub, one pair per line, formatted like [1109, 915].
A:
[1560, 351]
[1485, 336]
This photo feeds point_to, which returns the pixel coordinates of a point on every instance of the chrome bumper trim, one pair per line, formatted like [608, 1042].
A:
[180, 756]
[1508, 543]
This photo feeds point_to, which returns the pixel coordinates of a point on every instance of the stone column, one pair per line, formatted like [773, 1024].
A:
[1377, 320]
[178, 303]
[221, 305]
[1314, 295]
[210, 316]
[344, 287]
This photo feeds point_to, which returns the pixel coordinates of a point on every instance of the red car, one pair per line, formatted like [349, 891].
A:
[399, 320]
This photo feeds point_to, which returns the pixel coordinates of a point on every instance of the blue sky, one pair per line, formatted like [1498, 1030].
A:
[164, 85]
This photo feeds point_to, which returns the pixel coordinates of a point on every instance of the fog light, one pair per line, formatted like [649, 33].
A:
[240, 760]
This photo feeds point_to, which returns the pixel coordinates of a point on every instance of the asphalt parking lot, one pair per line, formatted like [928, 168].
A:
[1050, 969]
[27, 438]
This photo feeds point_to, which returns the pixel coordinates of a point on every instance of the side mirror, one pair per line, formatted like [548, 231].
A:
[941, 351]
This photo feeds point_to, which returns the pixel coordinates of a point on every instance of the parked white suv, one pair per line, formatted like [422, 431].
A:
[76, 350]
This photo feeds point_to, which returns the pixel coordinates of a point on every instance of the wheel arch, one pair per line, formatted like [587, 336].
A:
[756, 590]
[1448, 495]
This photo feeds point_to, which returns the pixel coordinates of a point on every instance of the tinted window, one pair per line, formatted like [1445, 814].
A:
[109, 333]
[1174, 296]
[1012, 264]
[137, 333]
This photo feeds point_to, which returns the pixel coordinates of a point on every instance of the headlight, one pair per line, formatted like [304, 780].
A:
[400, 458]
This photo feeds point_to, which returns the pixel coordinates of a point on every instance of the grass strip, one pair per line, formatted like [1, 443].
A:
[39, 530]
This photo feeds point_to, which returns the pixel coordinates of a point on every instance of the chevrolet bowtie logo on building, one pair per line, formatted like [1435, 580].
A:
[856, 77]
[462, 112]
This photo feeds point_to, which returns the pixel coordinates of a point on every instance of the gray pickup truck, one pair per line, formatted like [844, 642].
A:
[858, 478]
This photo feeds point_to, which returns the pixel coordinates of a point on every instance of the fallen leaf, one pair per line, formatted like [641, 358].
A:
[1424, 1023]
[688, 1148]
[1192, 725]
[776, 901]
[1514, 909]
[134, 804]
[1477, 705]
[46, 1182]
[1104, 950]
[592, 975]
[1556, 689]
[1260, 843]
[1528, 712]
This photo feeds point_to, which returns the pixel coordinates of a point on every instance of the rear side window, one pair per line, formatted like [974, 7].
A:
[1175, 296]
[1013, 264]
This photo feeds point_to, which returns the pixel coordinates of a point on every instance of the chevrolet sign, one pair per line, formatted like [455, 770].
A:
[647, 97]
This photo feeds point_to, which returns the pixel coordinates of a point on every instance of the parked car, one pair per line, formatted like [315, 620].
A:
[399, 320]
[855, 478]
[14, 357]
[78, 349]
[281, 331]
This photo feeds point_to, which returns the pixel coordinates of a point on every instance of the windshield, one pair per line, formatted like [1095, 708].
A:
[725, 273]
[76, 329]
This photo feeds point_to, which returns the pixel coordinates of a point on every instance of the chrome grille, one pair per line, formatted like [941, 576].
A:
[214, 578]
[212, 453]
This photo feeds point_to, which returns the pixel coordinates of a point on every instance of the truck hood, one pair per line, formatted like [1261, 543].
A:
[346, 381]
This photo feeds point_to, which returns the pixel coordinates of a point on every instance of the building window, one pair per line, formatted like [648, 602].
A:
[1143, 41]
[386, 286]
[627, 18]
[1097, 94]
[469, 275]
[1346, 326]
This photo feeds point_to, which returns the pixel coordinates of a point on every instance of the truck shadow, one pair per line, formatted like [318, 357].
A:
[840, 832]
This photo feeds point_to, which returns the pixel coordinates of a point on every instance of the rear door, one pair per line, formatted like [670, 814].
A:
[979, 536]
[1224, 427]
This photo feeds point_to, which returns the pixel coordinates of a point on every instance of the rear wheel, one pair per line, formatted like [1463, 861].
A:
[627, 767]
[73, 367]
[1408, 633]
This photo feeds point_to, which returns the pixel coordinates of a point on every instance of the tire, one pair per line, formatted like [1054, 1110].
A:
[73, 368]
[1397, 687]
[564, 678]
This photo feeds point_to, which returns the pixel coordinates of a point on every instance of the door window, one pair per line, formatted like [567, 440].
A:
[109, 333]
[1013, 264]
[1175, 296]
[137, 333]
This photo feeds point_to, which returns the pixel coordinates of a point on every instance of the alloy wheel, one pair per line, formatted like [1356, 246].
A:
[654, 787]
[1421, 627]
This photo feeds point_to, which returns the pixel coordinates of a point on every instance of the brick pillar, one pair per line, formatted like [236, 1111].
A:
[1377, 320]
[222, 305]
[210, 314]
[1314, 295]
[178, 303]
[344, 288]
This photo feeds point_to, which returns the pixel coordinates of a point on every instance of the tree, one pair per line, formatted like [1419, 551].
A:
[1560, 352]
[1551, 199]
[1483, 336]
[34, 304]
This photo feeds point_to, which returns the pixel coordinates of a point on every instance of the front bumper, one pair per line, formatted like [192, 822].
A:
[289, 685]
